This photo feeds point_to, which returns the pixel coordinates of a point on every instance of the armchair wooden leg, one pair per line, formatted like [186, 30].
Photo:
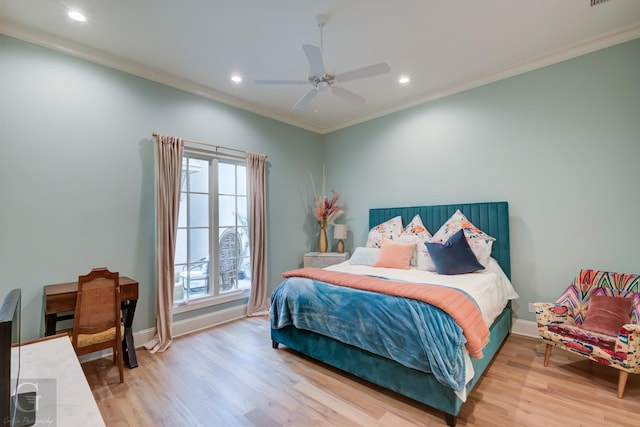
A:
[547, 353]
[622, 382]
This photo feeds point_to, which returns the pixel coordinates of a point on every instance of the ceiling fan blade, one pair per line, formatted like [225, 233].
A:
[305, 99]
[347, 95]
[361, 73]
[281, 82]
[314, 56]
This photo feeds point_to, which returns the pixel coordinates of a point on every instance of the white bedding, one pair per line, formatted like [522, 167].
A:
[490, 288]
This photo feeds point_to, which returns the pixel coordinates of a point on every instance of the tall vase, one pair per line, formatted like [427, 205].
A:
[322, 240]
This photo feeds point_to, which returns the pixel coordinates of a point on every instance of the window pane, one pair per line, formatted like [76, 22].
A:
[198, 244]
[198, 176]
[244, 240]
[242, 180]
[226, 178]
[226, 211]
[199, 210]
[182, 213]
[242, 210]
[181, 247]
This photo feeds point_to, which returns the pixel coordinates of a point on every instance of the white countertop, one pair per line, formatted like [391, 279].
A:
[52, 369]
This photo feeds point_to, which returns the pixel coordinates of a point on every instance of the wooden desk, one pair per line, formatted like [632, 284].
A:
[60, 302]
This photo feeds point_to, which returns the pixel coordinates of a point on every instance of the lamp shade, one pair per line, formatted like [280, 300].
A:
[340, 231]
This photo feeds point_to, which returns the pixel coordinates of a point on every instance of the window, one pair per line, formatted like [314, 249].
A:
[212, 258]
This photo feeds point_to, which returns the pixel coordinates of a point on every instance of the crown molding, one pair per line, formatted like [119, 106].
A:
[116, 62]
[97, 56]
[611, 39]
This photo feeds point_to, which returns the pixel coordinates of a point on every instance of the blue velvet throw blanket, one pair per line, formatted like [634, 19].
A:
[413, 333]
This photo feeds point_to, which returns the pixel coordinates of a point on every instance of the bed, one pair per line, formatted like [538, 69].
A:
[424, 387]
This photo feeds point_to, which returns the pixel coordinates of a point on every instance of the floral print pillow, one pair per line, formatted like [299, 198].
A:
[391, 229]
[417, 233]
[480, 242]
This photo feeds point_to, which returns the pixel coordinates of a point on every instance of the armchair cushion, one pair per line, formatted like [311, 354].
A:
[606, 315]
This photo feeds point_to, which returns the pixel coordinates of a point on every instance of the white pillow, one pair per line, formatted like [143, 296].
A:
[479, 242]
[424, 261]
[416, 232]
[364, 256]
[390, 229]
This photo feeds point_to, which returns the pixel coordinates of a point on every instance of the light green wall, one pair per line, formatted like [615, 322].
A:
[76, 172]
[561, 144]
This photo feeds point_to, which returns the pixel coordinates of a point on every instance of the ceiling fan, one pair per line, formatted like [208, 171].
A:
[323, 79]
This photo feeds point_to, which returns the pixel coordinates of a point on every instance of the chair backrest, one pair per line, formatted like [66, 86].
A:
[97, 302]
[202, 265]
[590, 282]
[229, 254]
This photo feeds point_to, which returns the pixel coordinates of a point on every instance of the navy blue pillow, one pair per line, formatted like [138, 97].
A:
[454, 256]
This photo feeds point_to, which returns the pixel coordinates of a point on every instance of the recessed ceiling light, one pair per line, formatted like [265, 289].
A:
[403, 80]
[236, 78]
[77, 16]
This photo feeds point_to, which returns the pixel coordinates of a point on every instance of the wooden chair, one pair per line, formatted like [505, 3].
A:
[97, 324]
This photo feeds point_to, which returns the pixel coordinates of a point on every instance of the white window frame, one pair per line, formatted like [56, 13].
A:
[214, 243]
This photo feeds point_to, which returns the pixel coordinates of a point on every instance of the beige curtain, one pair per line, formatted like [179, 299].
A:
[256, 187]
[169, 150]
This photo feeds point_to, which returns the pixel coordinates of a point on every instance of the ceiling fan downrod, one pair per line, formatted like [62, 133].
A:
[321, 21]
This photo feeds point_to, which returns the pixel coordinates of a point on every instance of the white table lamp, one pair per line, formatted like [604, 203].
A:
[340, 233]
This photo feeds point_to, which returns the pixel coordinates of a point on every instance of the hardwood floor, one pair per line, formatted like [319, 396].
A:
[230, 376]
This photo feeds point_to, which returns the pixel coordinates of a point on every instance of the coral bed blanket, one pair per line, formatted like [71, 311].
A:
[455, 303]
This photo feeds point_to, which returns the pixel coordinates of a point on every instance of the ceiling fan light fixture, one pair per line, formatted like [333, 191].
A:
[323, 86]
[76, 16]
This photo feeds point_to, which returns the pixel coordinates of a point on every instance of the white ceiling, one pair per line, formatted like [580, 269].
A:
[445, 46]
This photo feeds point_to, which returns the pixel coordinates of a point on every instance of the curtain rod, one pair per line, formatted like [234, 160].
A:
[155, 135]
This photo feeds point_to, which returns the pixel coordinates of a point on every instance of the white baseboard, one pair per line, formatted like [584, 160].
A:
[520, 327]
[182, 327]
[207, 320]
[194, 324]
[526, 328]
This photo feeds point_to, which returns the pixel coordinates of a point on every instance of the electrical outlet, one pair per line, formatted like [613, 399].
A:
[532, 309]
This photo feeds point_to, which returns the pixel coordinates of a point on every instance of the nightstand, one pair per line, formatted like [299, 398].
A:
[321, 260]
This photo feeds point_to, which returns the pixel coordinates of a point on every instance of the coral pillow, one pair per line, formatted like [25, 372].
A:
[394, 255]
[606, 315]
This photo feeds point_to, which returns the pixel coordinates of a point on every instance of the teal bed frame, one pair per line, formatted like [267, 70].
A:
[492, 218]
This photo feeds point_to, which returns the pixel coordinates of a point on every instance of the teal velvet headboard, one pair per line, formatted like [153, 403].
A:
[490, 217]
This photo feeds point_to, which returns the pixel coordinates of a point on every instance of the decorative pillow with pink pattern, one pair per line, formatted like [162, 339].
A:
[417, 233]
[479, 242]
[390, 229]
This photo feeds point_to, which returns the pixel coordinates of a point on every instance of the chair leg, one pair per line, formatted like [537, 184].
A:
[622, 382]
[547, 354]
[118, 351]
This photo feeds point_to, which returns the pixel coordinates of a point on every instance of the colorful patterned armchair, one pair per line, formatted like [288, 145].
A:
[560, 323]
